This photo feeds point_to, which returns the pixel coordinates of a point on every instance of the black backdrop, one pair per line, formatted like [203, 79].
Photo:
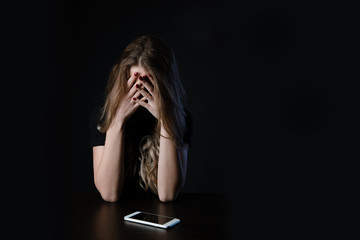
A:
[258, 79]
[264, 83]
[96, 36]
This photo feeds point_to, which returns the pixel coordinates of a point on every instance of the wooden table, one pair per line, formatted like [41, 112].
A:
[202, 217]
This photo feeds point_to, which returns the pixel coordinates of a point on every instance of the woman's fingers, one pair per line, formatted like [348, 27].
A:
[140, 85]
[137, 95]
[134, 89]
[142, 102]
[145, 80]
[146, 94]
[132, 79]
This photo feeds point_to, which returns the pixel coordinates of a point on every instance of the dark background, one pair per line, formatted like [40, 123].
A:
[268, 86]
[261, 81]
[95, 36]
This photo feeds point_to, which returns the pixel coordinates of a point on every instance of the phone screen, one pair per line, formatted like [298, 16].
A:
[152, 218]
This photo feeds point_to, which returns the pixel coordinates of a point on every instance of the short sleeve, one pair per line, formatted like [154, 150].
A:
[189, 127]
[97, 138]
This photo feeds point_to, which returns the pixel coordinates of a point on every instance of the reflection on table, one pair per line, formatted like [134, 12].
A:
[202, 216]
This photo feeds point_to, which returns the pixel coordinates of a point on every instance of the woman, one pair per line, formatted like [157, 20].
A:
[141, 135]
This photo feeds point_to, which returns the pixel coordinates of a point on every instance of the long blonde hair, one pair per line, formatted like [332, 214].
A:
[158, 58]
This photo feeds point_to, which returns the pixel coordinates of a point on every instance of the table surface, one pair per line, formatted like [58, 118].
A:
[202, 216]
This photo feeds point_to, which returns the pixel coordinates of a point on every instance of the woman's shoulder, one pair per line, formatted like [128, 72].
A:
[187, 113]
[96, 137]
[96, 112]
[189, 121]
[97, 108]
[188, 116]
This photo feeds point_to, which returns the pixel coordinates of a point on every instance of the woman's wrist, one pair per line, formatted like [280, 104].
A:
[117, 126]
[163, 131]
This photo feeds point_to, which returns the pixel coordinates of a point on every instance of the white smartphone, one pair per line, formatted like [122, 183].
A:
[151, 219]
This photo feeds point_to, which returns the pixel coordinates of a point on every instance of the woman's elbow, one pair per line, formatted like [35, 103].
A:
[108, 195]
[168, 197]
[112, 198]
[164, 199]
[171, 194]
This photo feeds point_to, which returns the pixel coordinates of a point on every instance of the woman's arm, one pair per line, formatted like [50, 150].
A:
[172, 161]
[171, 168]
[108, 161]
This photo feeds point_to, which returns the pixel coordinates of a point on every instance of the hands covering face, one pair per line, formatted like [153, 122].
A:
[139, 93]
[144, 96]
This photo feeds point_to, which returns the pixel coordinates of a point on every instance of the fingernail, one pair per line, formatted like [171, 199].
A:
[134, 99]
[136, 73]
[150, 75]
[137, 86]
[141, 78]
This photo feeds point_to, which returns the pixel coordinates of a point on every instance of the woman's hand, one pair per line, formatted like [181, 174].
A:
[127, 105]
[148, 100]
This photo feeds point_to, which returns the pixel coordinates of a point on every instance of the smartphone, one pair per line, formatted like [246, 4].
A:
[151, 219]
